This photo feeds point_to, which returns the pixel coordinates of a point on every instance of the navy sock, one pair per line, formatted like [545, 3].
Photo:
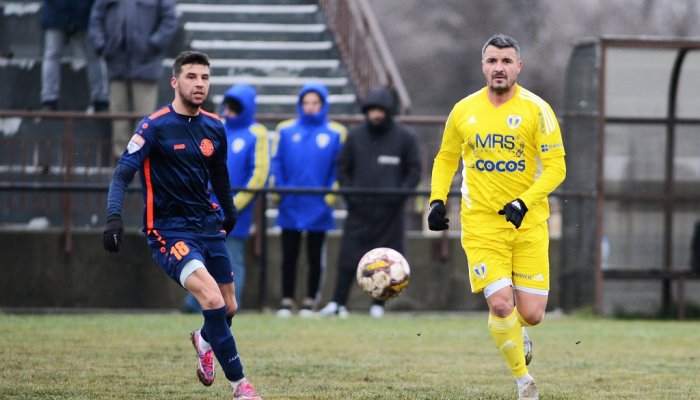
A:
[218, 334]
[229, 322]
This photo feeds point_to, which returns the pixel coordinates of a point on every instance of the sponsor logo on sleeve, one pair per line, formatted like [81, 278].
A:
[135, 143]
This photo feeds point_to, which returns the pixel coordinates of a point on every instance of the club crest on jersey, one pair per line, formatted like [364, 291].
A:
[206, 147]
[322, 140]
[135, 143]
[480, 270]
[513, 120]
[237, 145]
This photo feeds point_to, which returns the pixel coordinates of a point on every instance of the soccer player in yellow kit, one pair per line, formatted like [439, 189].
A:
[512, 157]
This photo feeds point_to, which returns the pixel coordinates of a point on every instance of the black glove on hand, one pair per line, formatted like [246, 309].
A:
[436, 216]
[112, 235]
[228, 224]
[514, 212]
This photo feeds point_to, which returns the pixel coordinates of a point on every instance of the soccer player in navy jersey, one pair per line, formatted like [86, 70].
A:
[178, 150]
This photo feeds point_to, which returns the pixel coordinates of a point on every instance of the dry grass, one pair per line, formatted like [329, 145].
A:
[148, 356]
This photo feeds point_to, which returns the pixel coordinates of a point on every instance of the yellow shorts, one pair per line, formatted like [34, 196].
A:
[519, 254]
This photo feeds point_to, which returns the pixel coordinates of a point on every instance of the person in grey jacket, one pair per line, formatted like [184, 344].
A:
[132, 36]
[379, 154]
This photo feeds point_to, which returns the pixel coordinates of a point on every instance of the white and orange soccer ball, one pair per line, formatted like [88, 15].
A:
[383, 273]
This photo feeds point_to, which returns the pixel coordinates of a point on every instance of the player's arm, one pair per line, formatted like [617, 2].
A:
[551, 153]
[553, 174]
[444, 168]
[261, 163]
[221, 186]
[136, 152]
[112, 235]
[446, 161]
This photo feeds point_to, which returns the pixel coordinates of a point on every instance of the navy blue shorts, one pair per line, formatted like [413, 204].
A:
[172, 252]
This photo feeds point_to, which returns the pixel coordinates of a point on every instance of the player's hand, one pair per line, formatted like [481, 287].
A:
[228, 224]
[112, 235]
[436, 216]
[514, 212]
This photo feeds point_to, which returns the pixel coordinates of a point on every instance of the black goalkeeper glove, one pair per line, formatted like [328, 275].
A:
[436, 216]
[228, 224]
[514, 212]
[112, 235]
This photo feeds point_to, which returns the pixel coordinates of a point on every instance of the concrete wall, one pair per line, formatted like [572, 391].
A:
[37, 272]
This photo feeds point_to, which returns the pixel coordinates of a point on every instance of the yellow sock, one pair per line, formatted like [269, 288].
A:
[521, 320]
[508, 336]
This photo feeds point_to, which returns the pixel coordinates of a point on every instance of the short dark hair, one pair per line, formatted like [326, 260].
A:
[501, 41]
[189, 57]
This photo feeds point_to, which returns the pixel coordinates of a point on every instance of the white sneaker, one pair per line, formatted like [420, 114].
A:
[332, 309]
[306, 313]
[284, 313]
[527, 347]
[528, 391]
[307, 309]
[376, 311]
[285, 310]
[329, 310]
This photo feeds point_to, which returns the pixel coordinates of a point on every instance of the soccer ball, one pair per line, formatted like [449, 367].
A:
[383, 273]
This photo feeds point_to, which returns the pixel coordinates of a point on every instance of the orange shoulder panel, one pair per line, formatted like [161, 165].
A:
[158, 113]
[207, 113]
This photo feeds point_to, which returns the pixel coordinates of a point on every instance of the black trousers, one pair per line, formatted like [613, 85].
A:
[291, 243]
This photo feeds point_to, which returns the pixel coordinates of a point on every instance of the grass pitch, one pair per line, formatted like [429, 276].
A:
[149, 356]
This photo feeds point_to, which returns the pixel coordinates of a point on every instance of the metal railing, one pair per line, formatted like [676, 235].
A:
[363, 48]
[42, 173]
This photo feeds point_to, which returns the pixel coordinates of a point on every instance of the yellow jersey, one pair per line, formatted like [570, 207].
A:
[503, 151]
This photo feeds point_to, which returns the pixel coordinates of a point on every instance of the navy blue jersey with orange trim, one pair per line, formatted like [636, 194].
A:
[174, 154]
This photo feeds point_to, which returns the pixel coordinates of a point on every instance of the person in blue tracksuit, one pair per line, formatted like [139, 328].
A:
[305, 152]
[248, 166]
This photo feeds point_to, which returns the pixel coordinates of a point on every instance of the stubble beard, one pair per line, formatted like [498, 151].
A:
[188, 102]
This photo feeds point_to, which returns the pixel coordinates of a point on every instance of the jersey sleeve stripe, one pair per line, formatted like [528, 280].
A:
[159, 113]
[209, 114]
[149, 193]
[547, 113]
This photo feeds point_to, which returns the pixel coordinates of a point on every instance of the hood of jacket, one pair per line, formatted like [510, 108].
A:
[320, 117]
[379, 98]
[244, 94]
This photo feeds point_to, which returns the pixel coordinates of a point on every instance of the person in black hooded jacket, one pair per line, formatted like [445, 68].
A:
[377, 154]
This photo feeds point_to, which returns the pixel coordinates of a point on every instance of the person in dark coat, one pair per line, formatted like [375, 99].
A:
[65, 23]
[377, 154]
[132, 36]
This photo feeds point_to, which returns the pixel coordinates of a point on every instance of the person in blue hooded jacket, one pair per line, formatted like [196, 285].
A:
[305, 152]
[248, 166]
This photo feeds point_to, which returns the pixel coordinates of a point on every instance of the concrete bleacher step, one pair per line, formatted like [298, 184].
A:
[251, 13]
[253, 31]
[19, 29]
[276, 45]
